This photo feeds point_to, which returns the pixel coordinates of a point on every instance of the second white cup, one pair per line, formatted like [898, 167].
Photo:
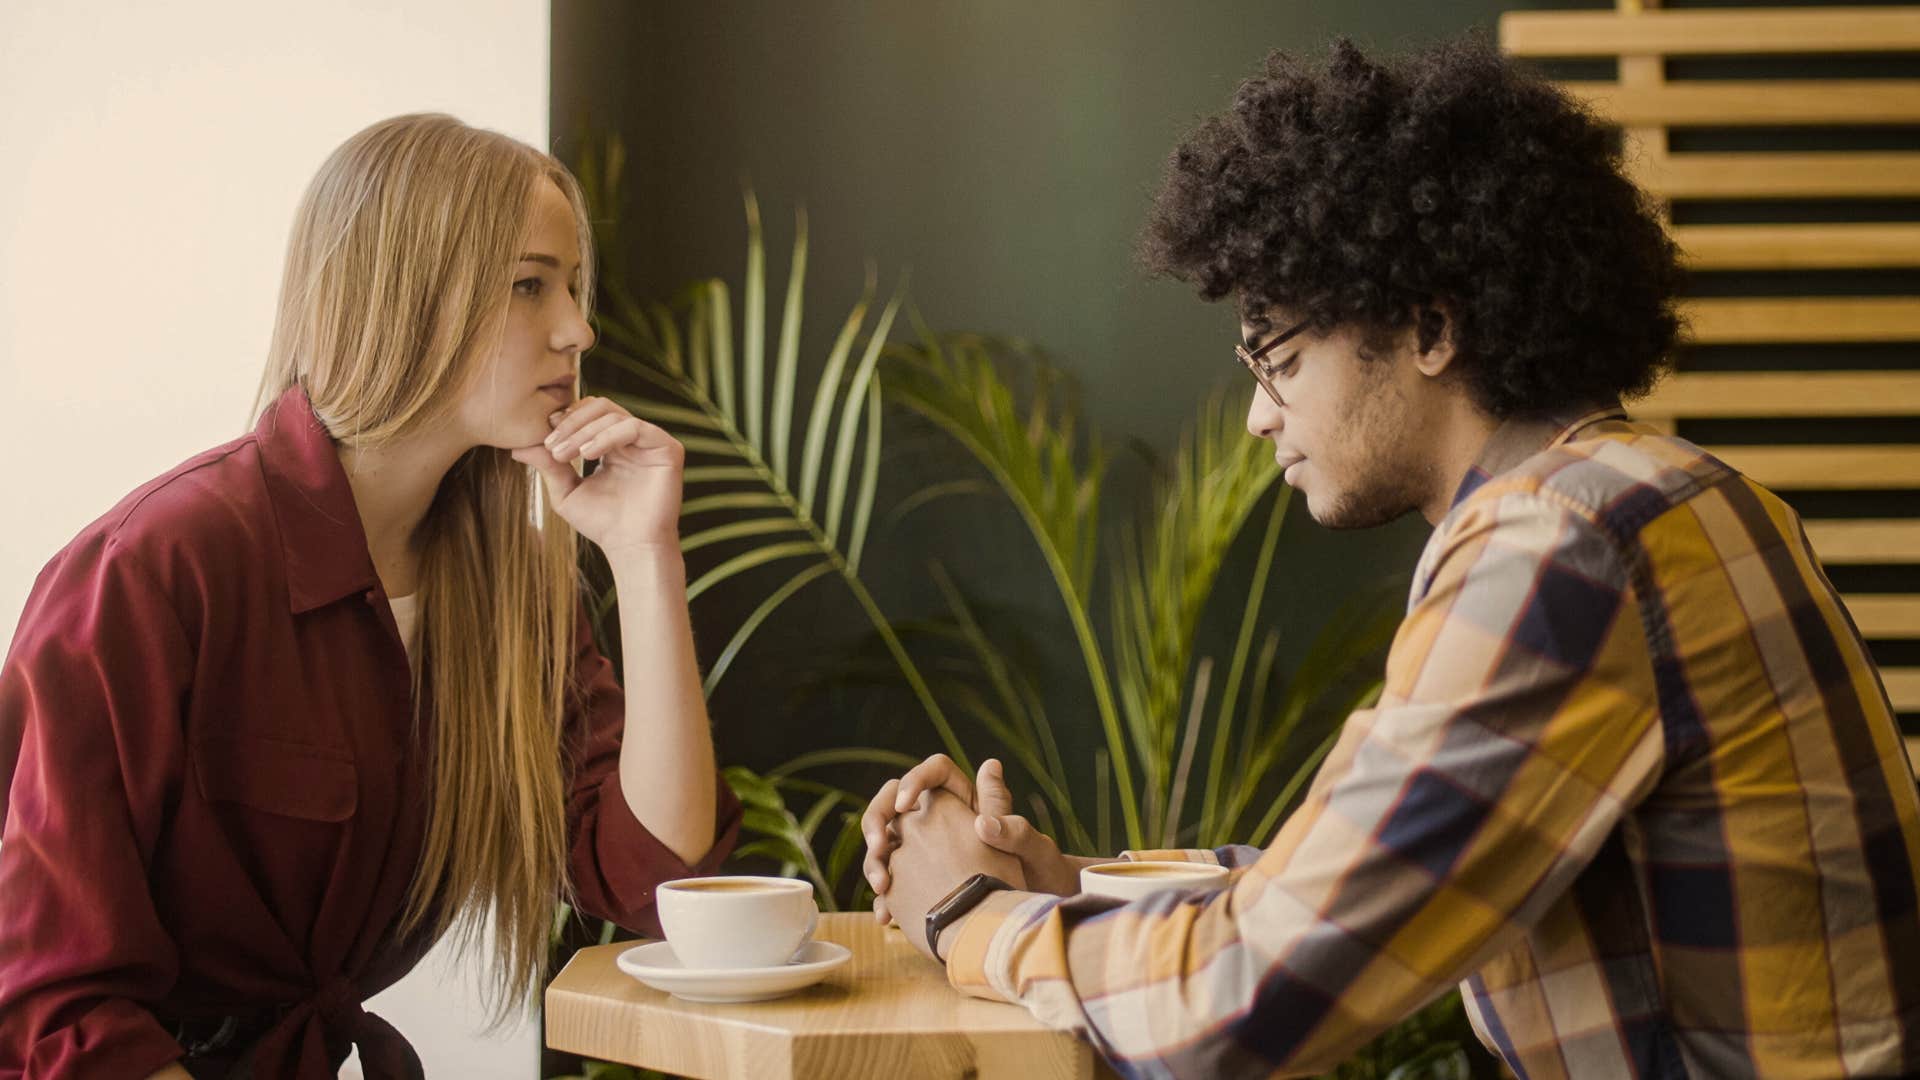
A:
[1133, 880]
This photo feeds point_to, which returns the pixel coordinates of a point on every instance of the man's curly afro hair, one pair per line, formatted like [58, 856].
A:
[1360, 193]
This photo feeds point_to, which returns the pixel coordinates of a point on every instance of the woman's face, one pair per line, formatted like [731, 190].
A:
[535, 370]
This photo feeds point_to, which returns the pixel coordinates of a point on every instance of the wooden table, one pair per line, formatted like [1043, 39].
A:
[888, 1013]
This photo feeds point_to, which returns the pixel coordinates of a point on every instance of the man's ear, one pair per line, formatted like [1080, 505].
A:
[1433, 338]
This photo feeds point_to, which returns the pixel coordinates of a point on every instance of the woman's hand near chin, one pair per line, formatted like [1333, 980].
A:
[631, 503]
[630, 506]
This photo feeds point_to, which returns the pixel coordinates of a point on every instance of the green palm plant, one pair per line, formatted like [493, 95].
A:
[1167, 571]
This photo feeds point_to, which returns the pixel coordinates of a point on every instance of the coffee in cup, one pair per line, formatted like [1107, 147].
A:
[1133, 880]
[736, 922]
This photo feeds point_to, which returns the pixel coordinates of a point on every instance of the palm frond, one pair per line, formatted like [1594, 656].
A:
[856, 400]
[781, 836]
[1167, 571]
[753, 371]
[843, 755]
[752, 622]
[869, 481]
[1018, 718]
[1230, 696]
[795, 841]
[787, 364]
[1363, 626]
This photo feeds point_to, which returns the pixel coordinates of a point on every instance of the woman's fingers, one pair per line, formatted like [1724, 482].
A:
[597, 428]
[568, 422]
[628, 433]
[594, 438]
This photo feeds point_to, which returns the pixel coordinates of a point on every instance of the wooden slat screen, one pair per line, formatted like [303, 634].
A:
[1801, 364]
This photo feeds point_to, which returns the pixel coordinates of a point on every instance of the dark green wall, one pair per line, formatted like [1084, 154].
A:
[1005, 153]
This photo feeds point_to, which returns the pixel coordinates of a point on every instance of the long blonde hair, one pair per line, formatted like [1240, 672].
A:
[398, 274]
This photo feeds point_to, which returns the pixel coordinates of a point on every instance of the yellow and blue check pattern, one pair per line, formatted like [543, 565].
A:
[1633, 781]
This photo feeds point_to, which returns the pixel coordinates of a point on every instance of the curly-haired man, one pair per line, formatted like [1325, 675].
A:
[1633, 779]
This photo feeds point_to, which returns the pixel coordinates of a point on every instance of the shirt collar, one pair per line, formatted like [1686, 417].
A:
[320, 531]
[1518, 439]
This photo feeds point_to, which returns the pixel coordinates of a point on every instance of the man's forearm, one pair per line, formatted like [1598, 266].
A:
[666, 754]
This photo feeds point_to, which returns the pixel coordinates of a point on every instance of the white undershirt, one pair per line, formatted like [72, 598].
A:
[405, 614]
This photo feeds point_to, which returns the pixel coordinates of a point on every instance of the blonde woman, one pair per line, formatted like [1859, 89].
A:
[313, 698]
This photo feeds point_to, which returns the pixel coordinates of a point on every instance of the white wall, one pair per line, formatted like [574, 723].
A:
[151, 153]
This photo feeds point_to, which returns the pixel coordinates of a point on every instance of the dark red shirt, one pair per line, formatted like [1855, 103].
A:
[218, 797]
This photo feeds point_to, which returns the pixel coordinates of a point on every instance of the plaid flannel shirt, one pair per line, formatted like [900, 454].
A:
[1633, 778]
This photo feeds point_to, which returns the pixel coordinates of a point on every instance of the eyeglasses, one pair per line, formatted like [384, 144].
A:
[1252, 360]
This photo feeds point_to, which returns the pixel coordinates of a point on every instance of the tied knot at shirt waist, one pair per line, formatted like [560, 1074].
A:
[332, 1016]
[338, 1006]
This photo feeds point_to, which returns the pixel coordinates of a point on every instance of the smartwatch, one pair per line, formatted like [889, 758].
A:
[957, 903]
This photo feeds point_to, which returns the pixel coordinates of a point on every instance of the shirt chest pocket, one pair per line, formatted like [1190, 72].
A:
[283, 778]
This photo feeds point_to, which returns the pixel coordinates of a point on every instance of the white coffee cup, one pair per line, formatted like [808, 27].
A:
[736, 922]
[1133, 880]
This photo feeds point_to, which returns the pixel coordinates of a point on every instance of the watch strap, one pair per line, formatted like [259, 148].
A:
[957, 903]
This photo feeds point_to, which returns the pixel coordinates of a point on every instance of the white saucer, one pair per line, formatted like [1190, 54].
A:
[655, 965]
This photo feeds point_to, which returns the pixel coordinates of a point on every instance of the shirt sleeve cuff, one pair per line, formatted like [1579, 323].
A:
[979, 962]
[114, 1038]
[634, 862]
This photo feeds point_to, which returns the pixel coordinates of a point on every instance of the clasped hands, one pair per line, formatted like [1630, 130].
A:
[932, 829]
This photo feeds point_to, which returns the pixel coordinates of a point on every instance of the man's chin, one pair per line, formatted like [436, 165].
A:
[1345, 514]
